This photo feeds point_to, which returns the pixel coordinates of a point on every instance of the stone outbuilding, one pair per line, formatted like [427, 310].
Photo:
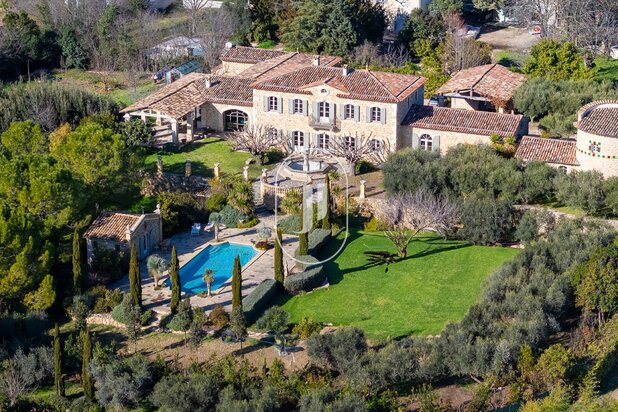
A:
[597, 137]
[117, 231]
[559, 153]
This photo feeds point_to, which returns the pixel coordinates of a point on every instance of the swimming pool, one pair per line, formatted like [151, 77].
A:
[219, 258]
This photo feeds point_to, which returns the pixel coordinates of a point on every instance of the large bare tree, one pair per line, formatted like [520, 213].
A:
[358, 147]
[213, 28]
[256, 139]
[408, 214]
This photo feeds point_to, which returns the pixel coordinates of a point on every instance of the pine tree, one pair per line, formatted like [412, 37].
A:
[175, 279]
[77, 264]
[236, 284]
[279, 275]
[134, 278]
[58, 377]
[326, 219]
[87, 383]
[303, 238]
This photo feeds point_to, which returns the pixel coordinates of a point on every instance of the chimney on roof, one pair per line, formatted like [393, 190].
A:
[345, 70]
[127, 234]
[316, 60]
[208, 82]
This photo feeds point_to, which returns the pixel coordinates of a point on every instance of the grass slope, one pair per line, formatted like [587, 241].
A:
[436, 284]
[203, 155]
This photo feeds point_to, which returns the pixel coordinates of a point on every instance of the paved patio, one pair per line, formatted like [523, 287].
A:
[260, 268]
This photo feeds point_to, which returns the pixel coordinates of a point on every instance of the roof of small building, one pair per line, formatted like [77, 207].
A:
[492, 81]
[357, 84]
[599, 118]
[112, 226]
[557, 151]
[242, 54]
[463, 121]
[182, 96]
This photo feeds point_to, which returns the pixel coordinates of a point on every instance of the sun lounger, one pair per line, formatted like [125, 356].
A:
[208, 227]
[196, 228]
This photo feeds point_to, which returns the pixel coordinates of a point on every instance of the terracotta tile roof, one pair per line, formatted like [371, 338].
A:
[463, 121]
[176, 100]
[112, 226]
[558, 151]
[241, 54]
[599, 118]
[286, 63]
[492, 81]
[359, 84]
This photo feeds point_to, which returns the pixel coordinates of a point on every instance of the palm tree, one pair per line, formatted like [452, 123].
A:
[209, 277]
[216, 219]
[156, 266]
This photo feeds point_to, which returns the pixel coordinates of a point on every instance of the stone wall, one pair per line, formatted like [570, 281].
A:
[447, 139]
[605, 160]
[104, 319]
[232, 68]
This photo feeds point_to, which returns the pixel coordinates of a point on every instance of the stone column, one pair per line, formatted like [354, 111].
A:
[188, 168]
[265, 175]
[174, 131]
[217, 171]
[159, 165]
[362, 189]
[245, 173]
[190, 121]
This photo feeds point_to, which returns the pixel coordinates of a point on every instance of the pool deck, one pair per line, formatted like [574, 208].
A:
[258, 269]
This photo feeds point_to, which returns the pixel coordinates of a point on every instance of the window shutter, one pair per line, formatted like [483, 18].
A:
[368, 119]
[291, 106]
[280, 104]
[331, 111]
[341, 111]
[383, 115]
[315, 111]
[265, 103]
[357, 113]
[305, 104]
[416, 141]
[436, 144]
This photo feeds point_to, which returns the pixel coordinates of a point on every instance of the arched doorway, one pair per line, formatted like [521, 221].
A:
[234, 120]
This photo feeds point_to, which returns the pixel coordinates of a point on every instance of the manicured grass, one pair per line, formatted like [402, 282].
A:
[605, 69]
[510, 59]
[436, 284]
[203, 155]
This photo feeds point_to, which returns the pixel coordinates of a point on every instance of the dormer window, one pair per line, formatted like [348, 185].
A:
[273, 104]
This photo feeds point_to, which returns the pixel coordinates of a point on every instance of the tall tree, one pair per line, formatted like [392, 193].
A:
[87, 382]
[134, 277]
[175, 279]
[58, 376]
[303, 237]
[555, 61]
[236, 284]
[598, 289]
[77, 264]
[279, 275]
[326, 219]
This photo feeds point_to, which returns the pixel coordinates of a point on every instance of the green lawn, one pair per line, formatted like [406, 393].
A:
[436, 284]
[203, 155]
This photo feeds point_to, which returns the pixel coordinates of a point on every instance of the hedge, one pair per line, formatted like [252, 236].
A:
[259, 300]
[317, 239]
[311, 277]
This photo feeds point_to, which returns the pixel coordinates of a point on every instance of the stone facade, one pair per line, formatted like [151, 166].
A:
[598, 153]
[442, 141]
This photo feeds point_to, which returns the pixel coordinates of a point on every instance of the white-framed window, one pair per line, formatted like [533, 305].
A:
[323, 110]
[273, 104]
[297, 106]
[376, 145]
[376, 114]
[298, 139]
[274, 134]
[348, 111]
[350, 142]
[323, 140]
[562, 168]
[426, 142]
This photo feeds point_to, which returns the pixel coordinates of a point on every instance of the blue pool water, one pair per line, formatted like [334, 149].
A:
[219, 258]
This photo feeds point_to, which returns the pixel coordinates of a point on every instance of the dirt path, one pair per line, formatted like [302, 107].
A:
[508, 38]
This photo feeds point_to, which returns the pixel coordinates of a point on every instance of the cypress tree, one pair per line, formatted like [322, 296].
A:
[87, 383]
[77, 264]
[58, 377]
[175, 279]
[236, 284]
[134, 278]
[279, 258]
[303, 238]
[326, 218]
[314, 216]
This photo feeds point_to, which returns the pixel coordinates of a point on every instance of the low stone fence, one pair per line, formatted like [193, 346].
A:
[103, 319]
[270, 192]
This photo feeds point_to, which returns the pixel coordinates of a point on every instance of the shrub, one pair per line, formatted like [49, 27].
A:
[121, 314]
[339, 351]
[306, 327]
[121, 382]
[318, 238]
[273, 156]
[289, 224]
[219, 317]
[486, 221]
[259, 299]
[179, 210]
[363, 166]
[375, 225]
[216, 202]
[232, 217]
[197, 392]
[274, 319]
[248, 223]
[527, 228]
[311, 277]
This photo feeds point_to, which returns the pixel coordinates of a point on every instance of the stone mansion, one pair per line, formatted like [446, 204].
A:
[309, 100]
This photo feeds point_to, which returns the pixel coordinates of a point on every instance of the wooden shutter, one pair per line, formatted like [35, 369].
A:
[291, 106]
[305, 104]
[341, 111]
[315, 113]
[416, 141]
[265, 103]
[368, 119]
[331, 111]
[280, 104]
[383, 115]
[357, 113]
[435, 144]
